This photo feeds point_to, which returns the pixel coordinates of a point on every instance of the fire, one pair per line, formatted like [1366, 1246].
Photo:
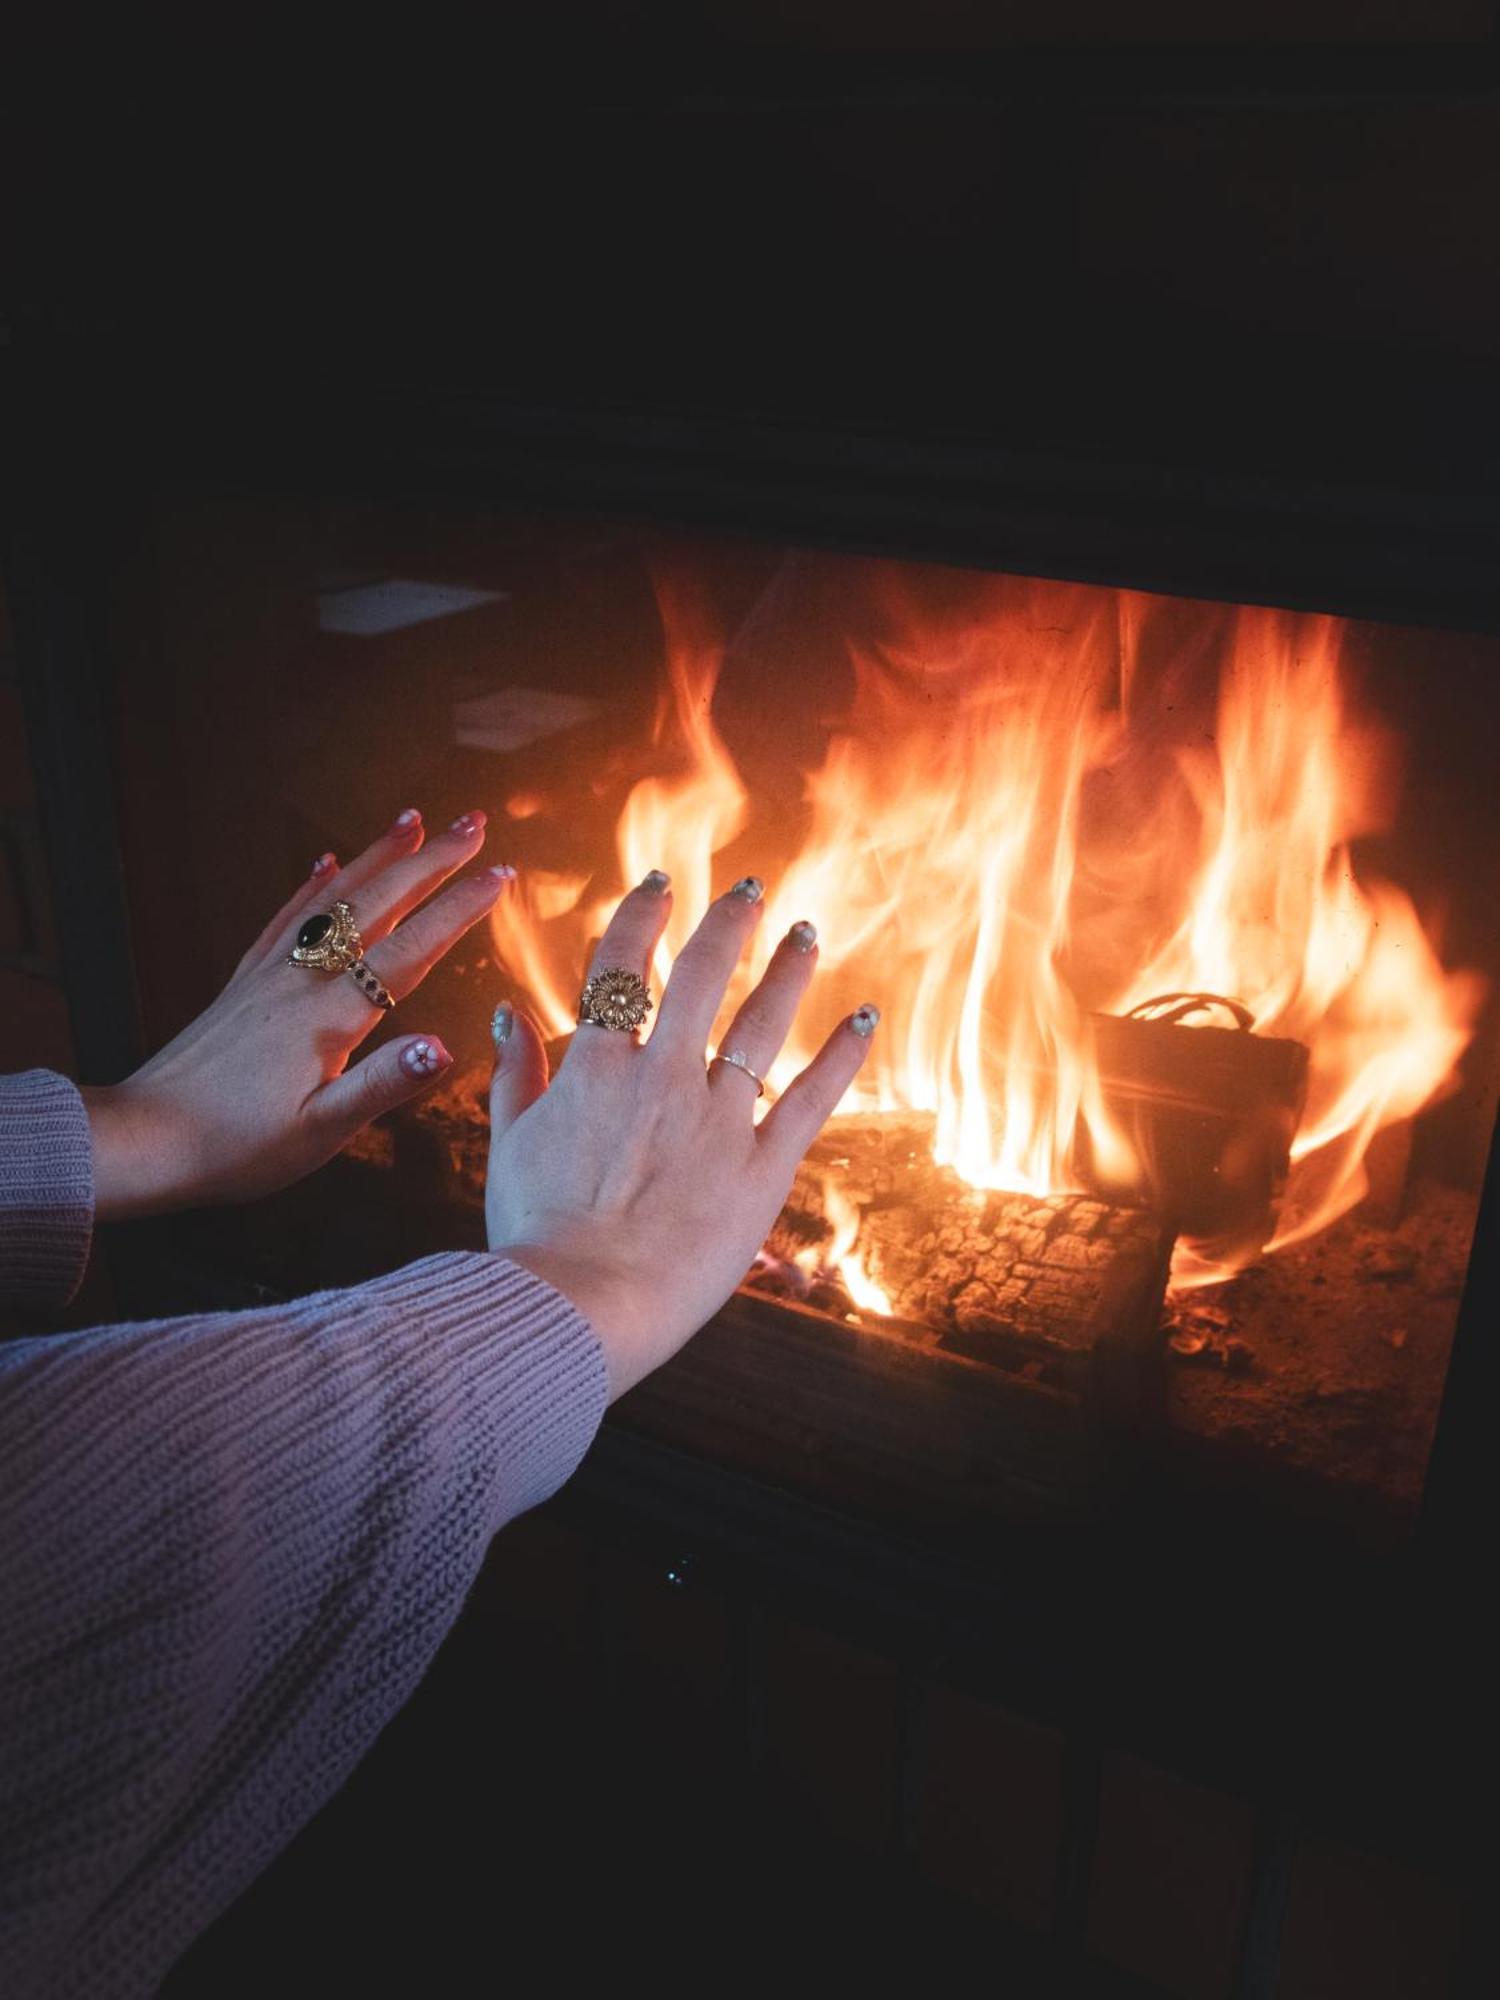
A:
[681, 820]
[1279, 915]
[842, 1256]
[1035, 809]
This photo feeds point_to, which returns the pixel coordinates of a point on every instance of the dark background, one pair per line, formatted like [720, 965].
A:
[1264, 237]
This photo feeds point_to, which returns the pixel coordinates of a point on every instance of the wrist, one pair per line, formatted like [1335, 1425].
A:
[137, 1167]
[599, 1297]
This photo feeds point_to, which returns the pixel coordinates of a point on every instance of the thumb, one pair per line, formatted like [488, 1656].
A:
[520, 1067]
[396, 1071]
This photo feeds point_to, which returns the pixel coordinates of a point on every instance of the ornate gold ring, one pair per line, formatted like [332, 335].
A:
[330, 942]
[615, 999]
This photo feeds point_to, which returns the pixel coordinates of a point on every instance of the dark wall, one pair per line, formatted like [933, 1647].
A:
[1276, 246]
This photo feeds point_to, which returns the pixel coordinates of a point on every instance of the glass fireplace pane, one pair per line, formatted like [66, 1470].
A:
[1178, 914]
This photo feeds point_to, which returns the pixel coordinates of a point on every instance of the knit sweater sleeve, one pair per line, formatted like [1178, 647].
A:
[230, 1547]
[46, 1190]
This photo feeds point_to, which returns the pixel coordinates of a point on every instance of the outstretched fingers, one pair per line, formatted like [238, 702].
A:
[329, 883]
[390, 889]
[520, 1067]
[394, 1074]
[810, 1100]
[403, 960]
[704, 968]
[628, 945]
[764, 1021]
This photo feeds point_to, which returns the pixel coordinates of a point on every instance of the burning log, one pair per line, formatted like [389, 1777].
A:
[1059, 1288]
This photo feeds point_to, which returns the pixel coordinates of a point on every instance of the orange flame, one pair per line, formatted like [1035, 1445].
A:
[1279, 917]
[1005, 832]
[841, 1255]
[679, 821]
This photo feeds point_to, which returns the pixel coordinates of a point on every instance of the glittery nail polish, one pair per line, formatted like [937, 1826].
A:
[468, 823]
[865, 1020]
[657, 882]
[425, 1058]
[325, 864]
[802, 937]
[502, 871]
[405, 821]
[501, 1024]
[749, 889]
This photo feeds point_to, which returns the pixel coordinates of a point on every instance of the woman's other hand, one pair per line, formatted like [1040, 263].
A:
[638, 1183]
[257, 1091]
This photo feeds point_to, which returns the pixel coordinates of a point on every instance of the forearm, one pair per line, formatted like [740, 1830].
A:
[234, 1545]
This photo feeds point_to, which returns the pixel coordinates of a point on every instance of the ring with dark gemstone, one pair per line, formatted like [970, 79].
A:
[329, 941]
[313, 932]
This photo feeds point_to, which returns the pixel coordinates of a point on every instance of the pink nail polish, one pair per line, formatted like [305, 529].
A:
[468, 824]
[324, 865]
[425, 1058]
[405, 821]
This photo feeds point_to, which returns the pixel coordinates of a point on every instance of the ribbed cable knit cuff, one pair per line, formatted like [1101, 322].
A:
[522, 1351]
[46, 1190]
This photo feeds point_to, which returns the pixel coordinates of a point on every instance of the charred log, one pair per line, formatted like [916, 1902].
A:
[1065, 1290]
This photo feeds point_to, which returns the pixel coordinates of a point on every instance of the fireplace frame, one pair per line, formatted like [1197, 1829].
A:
[1391, 553]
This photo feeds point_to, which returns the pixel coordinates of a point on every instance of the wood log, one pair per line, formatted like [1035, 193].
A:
[1062, 1288]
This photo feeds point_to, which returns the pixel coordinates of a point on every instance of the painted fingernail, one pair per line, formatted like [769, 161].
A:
[468, 824]
[749, 889]
[865, 1020]
[405, 821]
[802, 937]
[502, 1022]
[324, 865]
[501, 872]
[658, 881]
[425, 1058]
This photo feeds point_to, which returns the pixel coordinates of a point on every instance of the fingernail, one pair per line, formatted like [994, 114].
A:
[425, 1058]
[501, 872]
[468, 824]
[749, 889]
[802, 937]
[501, 1024]
[405, 821]
[865, 1020]
[658, 881]
[325, 864]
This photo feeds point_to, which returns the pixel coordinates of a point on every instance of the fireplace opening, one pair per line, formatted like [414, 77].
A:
[1177, 912]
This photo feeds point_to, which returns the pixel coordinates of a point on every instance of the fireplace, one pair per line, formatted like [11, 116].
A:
[1167, 1165]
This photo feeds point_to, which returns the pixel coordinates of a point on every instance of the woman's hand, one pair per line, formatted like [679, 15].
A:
[256, 1092]
[638, 1183]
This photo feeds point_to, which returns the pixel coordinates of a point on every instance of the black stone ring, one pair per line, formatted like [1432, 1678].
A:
[328, 942]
